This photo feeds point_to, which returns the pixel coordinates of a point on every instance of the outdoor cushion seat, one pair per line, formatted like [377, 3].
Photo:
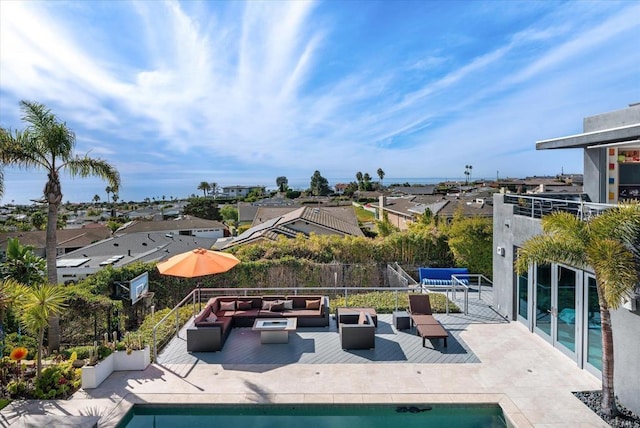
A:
[424, 319]
[427, 326]
[360, 334]
[431, 331]
[209, 338]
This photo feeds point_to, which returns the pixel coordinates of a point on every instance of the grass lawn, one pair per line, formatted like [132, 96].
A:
[364, 216]
[4, 402]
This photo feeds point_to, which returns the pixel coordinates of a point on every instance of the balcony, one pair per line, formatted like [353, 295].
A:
[536, 206]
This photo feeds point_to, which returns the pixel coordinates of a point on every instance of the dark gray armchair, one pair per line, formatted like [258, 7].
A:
[359, 334]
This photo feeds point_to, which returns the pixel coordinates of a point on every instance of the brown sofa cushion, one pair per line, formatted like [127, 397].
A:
[313, 304]
[244, 305]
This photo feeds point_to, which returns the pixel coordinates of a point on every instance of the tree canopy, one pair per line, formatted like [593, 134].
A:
[319, 185]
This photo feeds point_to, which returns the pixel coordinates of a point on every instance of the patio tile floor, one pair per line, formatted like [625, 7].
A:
[504, 364]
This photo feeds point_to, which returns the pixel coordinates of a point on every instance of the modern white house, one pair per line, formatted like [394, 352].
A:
[559, 302]
[239, 191]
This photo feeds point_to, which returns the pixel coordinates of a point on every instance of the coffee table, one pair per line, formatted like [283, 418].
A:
[275, 330]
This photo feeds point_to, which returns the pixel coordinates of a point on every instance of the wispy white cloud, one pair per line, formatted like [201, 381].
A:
[247, 90]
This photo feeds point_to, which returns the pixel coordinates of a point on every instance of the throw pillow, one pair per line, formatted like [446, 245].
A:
[277, 306]
[227, 306]
[266, 304]
[362, 319]
[288, 304]
[313, 304]
[244, 305]
[211, 318]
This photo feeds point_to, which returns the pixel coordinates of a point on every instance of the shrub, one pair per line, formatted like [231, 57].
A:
[57, 381]
[385, 301]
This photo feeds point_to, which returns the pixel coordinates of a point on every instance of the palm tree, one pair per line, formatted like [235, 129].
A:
[214, 189]
[38, 305]
[47, 144]
[96, 198]
[608, 245]
[205, 187]
[108, 189]
[380, 175]
[359, 179]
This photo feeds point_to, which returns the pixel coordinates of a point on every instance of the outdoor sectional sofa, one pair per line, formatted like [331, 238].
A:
[212, 325]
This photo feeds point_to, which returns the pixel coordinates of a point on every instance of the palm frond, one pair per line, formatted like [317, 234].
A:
[565, 225]
[544, 249]
[85, 166]
[40, 303]
[615, 268]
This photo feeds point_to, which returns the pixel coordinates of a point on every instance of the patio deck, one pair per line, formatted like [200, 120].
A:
[321, 345]
[506, 365]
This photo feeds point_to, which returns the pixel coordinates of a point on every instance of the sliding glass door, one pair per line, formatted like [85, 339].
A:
[566, 326]
[593, 330]
[543, 301]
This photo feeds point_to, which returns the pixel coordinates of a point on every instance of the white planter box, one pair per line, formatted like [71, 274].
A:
[136, 360]
[93, 376]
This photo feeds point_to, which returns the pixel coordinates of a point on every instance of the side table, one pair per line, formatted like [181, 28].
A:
[401, 320]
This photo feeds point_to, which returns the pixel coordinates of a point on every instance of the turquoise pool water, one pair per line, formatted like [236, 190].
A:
[316, 416]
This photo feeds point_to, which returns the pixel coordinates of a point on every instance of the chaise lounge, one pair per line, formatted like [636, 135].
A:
[427, 326]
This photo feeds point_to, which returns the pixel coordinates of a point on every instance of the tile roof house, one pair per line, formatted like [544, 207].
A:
[68, 239]
[303, 220]
[121, 250]
[184, 226]
[402, 211]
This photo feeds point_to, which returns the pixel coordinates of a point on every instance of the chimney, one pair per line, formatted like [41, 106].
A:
[382, 200]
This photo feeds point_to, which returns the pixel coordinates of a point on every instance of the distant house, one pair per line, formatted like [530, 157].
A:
[402, 211]
[68, 239]
[303, 220]
[340, 188]
[124, 249]
[240, 191]
[414, 190]
[184, 226]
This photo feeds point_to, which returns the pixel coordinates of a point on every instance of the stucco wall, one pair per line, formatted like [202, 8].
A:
[626, 350]
[509, 232]
[595, 161]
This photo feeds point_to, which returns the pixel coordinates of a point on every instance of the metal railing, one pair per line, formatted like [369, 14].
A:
[538, 206]
[400, 275]
[198, 296]
[462, 282]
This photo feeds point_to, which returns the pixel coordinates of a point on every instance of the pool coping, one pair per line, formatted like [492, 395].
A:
[513, 416]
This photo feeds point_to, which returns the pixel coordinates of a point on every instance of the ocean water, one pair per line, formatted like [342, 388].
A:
[302, 184]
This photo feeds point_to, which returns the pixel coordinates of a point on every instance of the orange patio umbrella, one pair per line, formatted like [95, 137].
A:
[198, 262]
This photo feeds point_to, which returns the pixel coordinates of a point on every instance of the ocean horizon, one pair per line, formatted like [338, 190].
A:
[299, 184]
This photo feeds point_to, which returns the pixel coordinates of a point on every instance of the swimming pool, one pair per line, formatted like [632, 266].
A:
[320, 416]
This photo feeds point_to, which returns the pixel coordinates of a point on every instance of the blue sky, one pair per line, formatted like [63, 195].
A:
[175, 93]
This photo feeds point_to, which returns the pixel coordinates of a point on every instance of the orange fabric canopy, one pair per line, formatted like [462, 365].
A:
[198, 262]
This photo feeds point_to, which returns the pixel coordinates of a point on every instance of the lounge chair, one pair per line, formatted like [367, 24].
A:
[357, 333]
[427, 326]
